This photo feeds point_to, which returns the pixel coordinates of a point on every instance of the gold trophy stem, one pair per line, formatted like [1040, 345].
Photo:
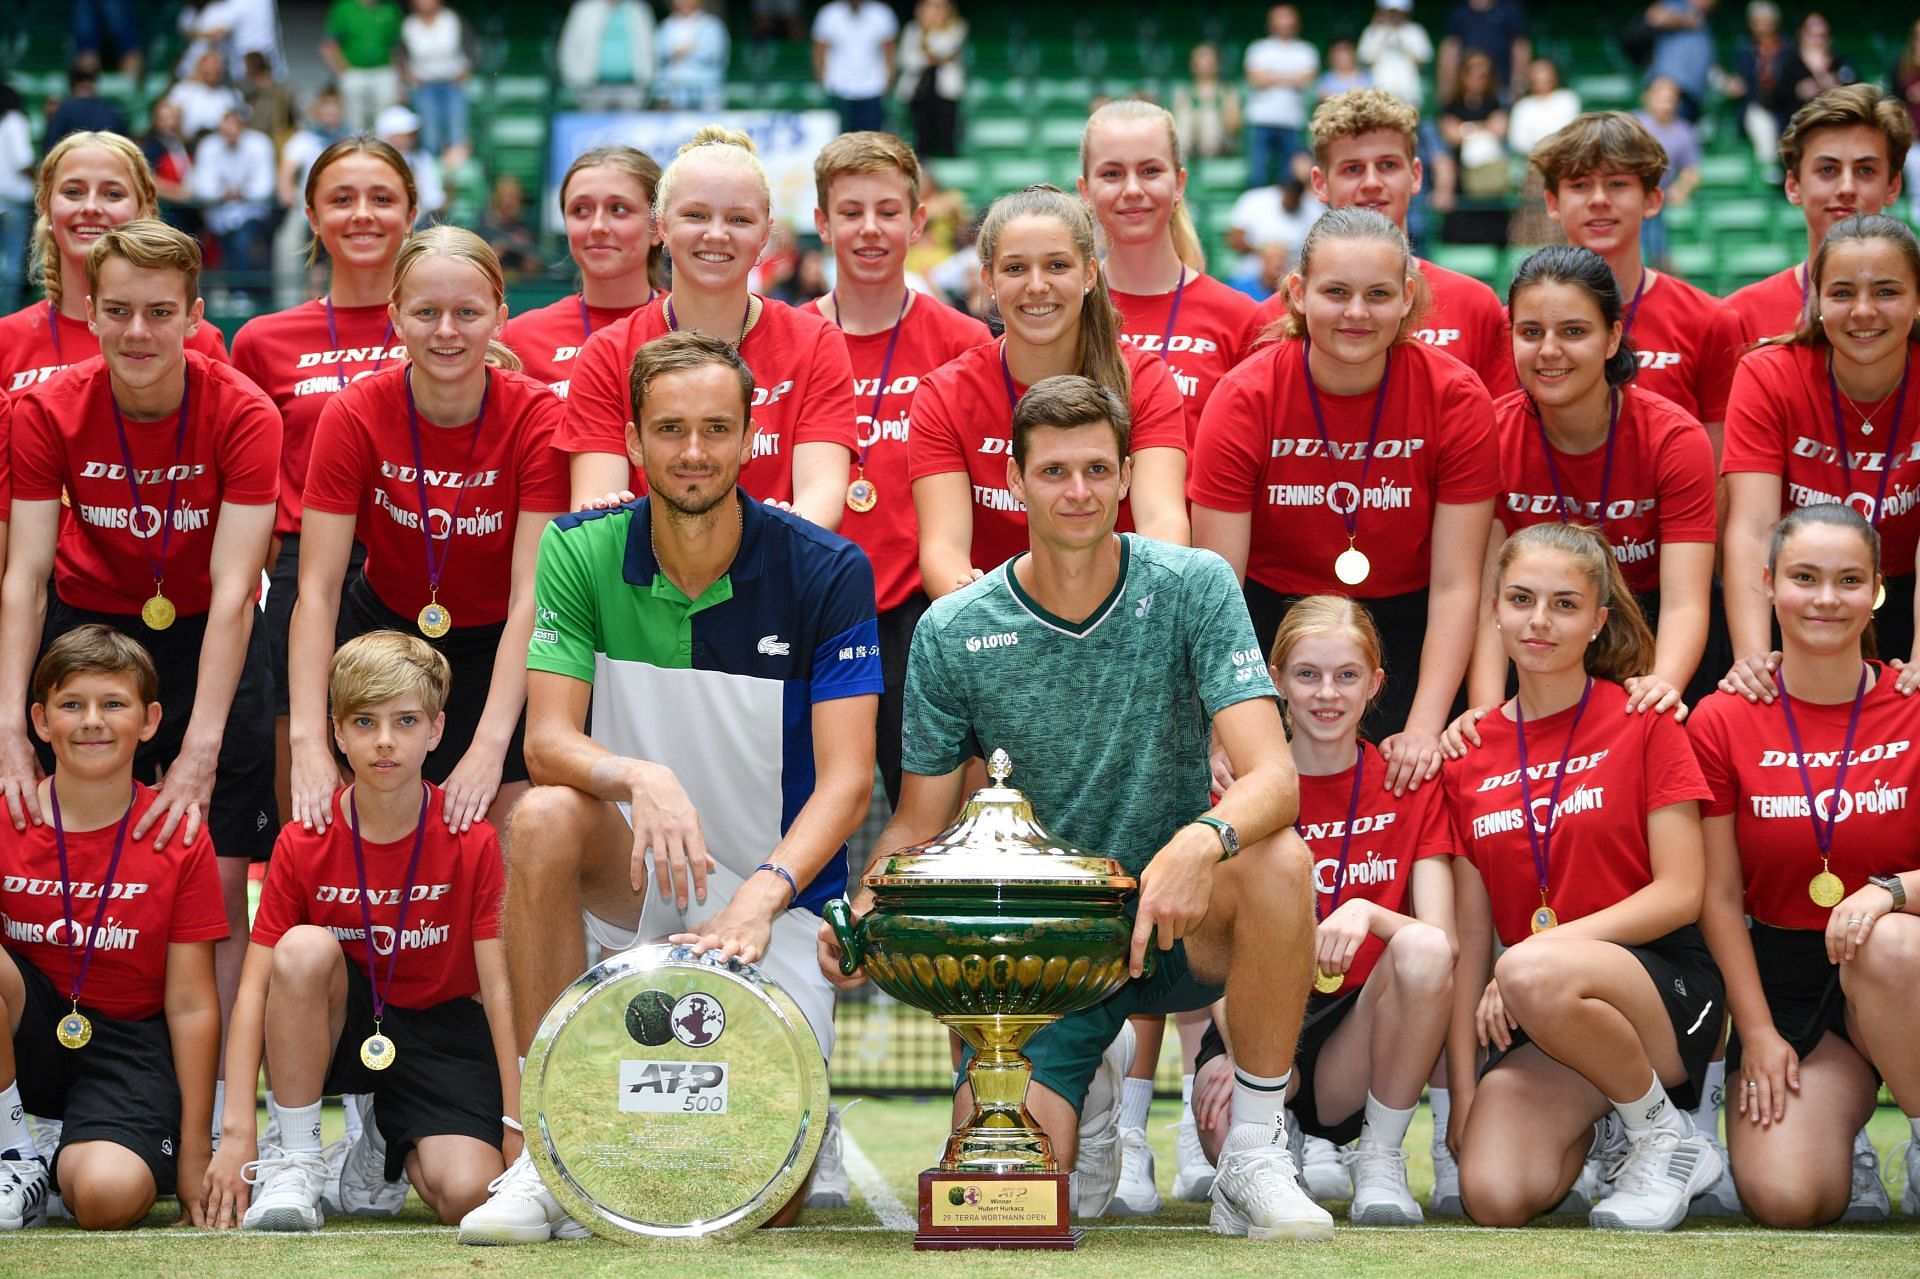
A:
[1000, 1135]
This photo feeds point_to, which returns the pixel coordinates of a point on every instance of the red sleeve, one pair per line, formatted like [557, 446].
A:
[1673, 774]
[282, 905]
[342, 461]
[1456, 817]
[934, 442]
[6, 463]
[1719, 357]
[489, 887]
[250, 445]
[37, 458]
[1684, 480]
[1756, 425]
[827, 409]
[1432, 827]
[1707, 732]
[544, 485]
[1469, 467]
[199, 913]
[1159, 414]
[598, 405]
[1224, 471]
[208, 340]
[1496, 370]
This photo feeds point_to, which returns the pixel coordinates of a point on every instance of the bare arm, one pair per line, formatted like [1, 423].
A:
[34, 529]
[594, 475]
[227, 1192]
[944, 505]
[1487, 671]
[1158, 496]
[1453, 602]
[490, 962]
[820, 473]
[193, 1029]
[1686, 581]
[1228, 534]
[1753, 504]
[1673, 898]
[326, 545]
[1473, 919]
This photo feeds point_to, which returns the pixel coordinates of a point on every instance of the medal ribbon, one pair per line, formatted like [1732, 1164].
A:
[1893, 437]
[1350, 518]
[886, 364]
[673, 325]
[1823, 835]
[434, 566]
[1606, 465]
[1633, 307]
[1006, 378]
[380, 986]
[1346, 837]
[158, 562]
[586, 320]
[340, 360]
[1173, 315]
[1542, 842]
[66, 887]
[53, 331]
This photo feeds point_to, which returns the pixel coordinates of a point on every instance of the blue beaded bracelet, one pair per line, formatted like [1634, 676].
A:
[785, 874]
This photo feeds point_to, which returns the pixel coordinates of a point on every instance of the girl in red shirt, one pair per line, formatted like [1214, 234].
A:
[1810, 836]
[1348, 459]
[1038, 265]
[1831, 413]
[1583, 825]
[88, 183]
[714, 212]
[1131, 175]
[444, 466]
[606, 198]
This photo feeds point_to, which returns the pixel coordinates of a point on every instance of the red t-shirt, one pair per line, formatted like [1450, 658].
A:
[363, 466]
[548, 338]
[1389, 836]
[1661, 489]
[1770, 307]
[803, 391]
[457, 888]
[1620, 768]
[6, 461]
[292, 357]
[1688, 343]
[157, 898]
[962, 421]
[1780, 421]
[1211, 334]
[930, 335]
[1258, 451]
[1464, 318]
[1748, 758]
[64, 439]
[30, 353]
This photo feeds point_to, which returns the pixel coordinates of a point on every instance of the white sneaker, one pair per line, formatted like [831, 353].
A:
[1324, 1170]
[286, 1193]
[830, 1188]
[1192, 1170]
[1096, 1171]
[1444, 1200]
[522, 1210]
[1135, 1195]
[1595, 1182]
[1257, 1192]
[1721, 1199]
[360, 1186]
[1905, 1168]
[24, 1190]
[1656, 1180]
[1869, 1201]
[1381, 1196]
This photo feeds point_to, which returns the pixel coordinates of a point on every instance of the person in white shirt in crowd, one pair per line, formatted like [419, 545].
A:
[1267, 218]
[1279, 69]
[17, 159]
[204, 96]
[853, 46]
[1394, 48]
[399, 127]
[1545, 107]
[436, 70]
[606, 54]
[325, 125]
[933, 77]
[236, 28]
[233, 172]
[693, 46]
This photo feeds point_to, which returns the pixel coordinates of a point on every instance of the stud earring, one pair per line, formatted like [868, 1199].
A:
[1591, 638]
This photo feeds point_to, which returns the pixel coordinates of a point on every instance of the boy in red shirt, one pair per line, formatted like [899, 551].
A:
[389, 922]
[106, 979]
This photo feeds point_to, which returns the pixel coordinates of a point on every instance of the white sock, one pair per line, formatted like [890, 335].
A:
[1384, 1126]
[299, 1127]
[523, 1066]
[1186, 1094]
[1706, 1115]
[1644, 1114]
[1913, 1122]
[1135, 1096]
[1257, 1099]
[14, 1133]
[1442, 1103]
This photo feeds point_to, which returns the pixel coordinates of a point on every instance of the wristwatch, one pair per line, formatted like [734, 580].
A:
[1894, 885]
[1229, 837]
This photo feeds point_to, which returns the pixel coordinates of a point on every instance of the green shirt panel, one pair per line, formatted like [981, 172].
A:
[366, 35]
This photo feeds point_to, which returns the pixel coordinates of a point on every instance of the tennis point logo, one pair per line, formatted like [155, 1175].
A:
[981, 643]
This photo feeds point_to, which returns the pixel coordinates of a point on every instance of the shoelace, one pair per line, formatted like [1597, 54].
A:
[255, 1172]
[518, 1171]
[1635, 1171]
[1375, 1164]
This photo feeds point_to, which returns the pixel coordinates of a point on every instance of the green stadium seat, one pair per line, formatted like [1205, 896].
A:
[1606, 92]
[1481, 261]
[1221, 175]
[527, 92]
[961, 173]
[1693, 262]
[1062, 132]
[1746, 263]
[1740, 218]
[1733, 170]
[526, 131]
[1012, 173]
[1000, 133]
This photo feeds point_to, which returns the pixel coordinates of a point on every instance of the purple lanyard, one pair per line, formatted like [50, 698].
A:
[1173, 315]
[1823, 835]
[158, 562]
[1633, 308]
[340, 360]
[586, 320]
[434, 565]
[380, 986]
[1346, 836]
[1351, 518]
[1893, 437]
[1006, 378]
[53, 330]
[673, 325]
[1540, 841]
[1606, 465]
[66, 886]
[886, 362]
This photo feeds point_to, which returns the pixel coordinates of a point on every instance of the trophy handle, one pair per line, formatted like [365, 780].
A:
[846, 929]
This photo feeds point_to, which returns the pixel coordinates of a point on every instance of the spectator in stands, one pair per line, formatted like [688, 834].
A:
[204, 97]
[1497, 28]
[1393, 48]
[268, 97]
[607, 54]
[359, 44]
[1765, 73]
[693, 59]
[1344, 72]
[1683, 49]
[399, 127]
[1547, 106]
[504, 227]
[236, 28]
[1279, 69]
[1265, 219]
[778, 20]
[434, 40]
[323, 128]
[106, 26]
[84, 110]
[1206, 109]
[1906, 87]
[171, 160]
[1660, 113]
[1823, 66]
[853, 48]
[16, 195]
[933, 77]
[233, 178]
[1474, 126]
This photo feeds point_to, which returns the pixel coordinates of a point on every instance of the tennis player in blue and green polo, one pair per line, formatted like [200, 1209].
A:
[728, 652]
[1099, 662]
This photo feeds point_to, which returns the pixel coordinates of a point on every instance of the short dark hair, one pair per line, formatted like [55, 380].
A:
[94, 649]
[1067, 401]
[1588, 271]
[677, 352]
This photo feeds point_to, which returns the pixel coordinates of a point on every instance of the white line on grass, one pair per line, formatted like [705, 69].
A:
[873, 1187]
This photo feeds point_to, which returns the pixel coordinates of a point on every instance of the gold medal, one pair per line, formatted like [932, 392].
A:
[376, 1051]
[158, 613]
[73, 1030]
[1352, 566]
[435, 621]
[1879, 596]
[862, 496]
[1544, 918]
[1327, 983]
[1826, 889]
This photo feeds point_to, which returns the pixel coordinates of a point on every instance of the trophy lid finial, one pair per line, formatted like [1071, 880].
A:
[999, 765]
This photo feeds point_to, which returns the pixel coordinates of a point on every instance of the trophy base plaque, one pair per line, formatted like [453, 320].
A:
[995, 1210]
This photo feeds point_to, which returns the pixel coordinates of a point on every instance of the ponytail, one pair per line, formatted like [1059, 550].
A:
[1100, 356]
[1624, 647]
[1186, 240]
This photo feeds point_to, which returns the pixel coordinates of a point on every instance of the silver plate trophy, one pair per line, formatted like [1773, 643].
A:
[672, 1095]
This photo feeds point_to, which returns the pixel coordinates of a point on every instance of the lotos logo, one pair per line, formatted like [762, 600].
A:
[1006, 639]
[698, 1019]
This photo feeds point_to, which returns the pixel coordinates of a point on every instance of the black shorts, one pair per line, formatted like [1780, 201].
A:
[1802, 988]
[1325, 1013]
[896, 635]
[1402, 622]
[283, 591]
[444, 1079]
[470, 650]
[119, 1088]
[1690, 986]
[244, 816]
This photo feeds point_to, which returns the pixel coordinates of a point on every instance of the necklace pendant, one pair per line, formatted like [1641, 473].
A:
[1826, 889]
[1543, 919]
[74, 1030]
[376, 1051]
[1327, 983]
